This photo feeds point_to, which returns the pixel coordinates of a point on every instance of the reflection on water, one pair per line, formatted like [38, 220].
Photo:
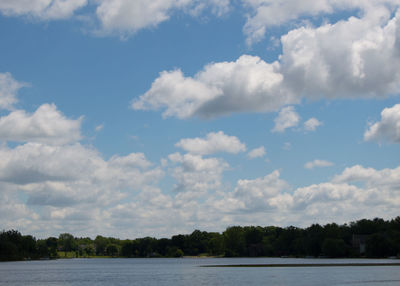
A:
[187, 272]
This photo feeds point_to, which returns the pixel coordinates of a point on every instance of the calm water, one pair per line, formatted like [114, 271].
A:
[187, 272]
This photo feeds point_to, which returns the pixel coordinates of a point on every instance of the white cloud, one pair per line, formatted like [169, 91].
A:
[312, 124]
[8, 90]
[268, 13]
[248, 84]
[46, 125]
[130, 16]
[287, 118]
[317, 163]
[98, 128]
[262, 194]
[42, 9]
[69, 186]
[265, 14]
[287, 146]
[388, 128]
[214, 142]
[257, 152]
[50, 189]
[310, 66]
[196, 174]
[307, 68]
[342, 201]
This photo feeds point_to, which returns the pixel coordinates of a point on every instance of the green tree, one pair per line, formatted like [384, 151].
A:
[112, 250]
[235, 244]
[378, 245]
[66, 242]
[100, 244]
[334, 247]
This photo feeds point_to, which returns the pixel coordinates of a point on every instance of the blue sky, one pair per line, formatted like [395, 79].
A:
[127, 119]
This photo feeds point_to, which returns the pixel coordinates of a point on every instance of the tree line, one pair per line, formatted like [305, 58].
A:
[362, 238]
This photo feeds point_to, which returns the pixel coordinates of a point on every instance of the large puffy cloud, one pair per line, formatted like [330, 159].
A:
[308, 68]
[129, 16]
[8, 90]
[40, 163]
[388, 128]
[368, 53]
[248, 84]
[42, 9]
[46, 125]
[269, 13]
[213, 143]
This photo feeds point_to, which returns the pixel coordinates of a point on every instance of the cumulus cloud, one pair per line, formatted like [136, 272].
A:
[42, 9]
[309, 60]
[265, 14]
[262, 194]
[194, 173]
[130, 16]
[213, 143]
[246, 85]
[388, 128]
[287, 118]
[307, 68]
[317, 164]
[71, 184]
[8, 90]
[350, 195]
[268, 13]
[72, 188]
[46, 125]
[257, 152]
[312, 124]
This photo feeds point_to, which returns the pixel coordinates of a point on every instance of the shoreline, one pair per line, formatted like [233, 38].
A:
[304, 265]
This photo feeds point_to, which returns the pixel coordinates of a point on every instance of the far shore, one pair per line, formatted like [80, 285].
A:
[306, 265]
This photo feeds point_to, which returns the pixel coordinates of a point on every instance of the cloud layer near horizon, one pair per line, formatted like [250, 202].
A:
[51, 183]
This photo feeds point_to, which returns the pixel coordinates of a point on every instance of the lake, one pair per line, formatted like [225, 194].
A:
[187, 271]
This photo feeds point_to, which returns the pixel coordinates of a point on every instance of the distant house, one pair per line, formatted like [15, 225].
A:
[359, 242]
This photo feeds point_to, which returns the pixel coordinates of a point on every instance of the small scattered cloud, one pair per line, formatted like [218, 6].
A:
[43, 10]
[214, 142]
[126, 17]
[9, 90]
[257, 152]
[318, 164]
[287, 118]
[312, 124]
[287, 146]
[388, 128]
[99, 128]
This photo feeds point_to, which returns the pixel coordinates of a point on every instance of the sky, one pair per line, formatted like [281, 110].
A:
[133, 118]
